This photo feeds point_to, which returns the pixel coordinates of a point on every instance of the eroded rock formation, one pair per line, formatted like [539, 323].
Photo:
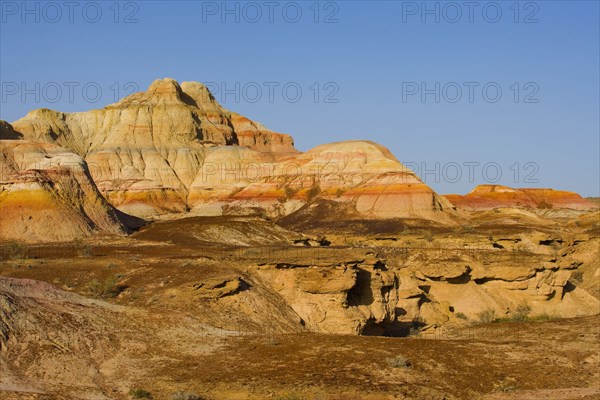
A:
[173, 148]
[47, 194]
[487, 197]
[343, 298]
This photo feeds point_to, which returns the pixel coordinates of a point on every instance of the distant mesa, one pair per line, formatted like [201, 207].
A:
[487, 197]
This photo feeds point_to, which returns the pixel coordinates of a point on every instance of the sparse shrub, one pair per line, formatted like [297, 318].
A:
[487, 316]
[186, 396]
[138, 393]
[399, 362]
[354, 396]
[522, 312]
[106, 288]
[543, 317]
[460, 315]
[577, 276]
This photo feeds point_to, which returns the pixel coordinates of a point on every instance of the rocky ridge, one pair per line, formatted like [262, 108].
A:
[173, 149]
[488, 197]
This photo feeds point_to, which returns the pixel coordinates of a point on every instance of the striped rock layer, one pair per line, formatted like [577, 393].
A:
[487, 197]
[174, 149]
[47, 194]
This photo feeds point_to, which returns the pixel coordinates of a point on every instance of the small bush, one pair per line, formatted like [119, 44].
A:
[399, 362]
[527, 318]
[106, 288]
[522, 312]
[487, 316]
[543, 317]
[460, 315]
[138, 393]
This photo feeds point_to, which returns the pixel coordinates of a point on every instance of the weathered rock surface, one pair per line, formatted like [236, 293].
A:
[145, 151]
[437, 284]
[47, 194]
[343, 298]
[487, 197]
[174, 148]
[361, 176]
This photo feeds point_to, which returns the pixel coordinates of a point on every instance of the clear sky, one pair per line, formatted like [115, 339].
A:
[473, 92]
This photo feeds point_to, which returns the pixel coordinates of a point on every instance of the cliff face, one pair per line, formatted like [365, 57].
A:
[487, 197]
[173, 148]
[144, 151]
[47, 194]
[359, 176]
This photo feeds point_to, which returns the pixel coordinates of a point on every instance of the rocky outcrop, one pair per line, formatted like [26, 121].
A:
[343, 298]
[173, 149]
[439, 284]
[360, 176]
[144, 151]
[487, 197]
[47, 194]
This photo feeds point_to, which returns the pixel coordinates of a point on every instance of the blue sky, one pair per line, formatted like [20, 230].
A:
[504, 92]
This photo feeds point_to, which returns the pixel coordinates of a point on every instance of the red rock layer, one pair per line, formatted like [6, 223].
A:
[487, 197]
[47, 194]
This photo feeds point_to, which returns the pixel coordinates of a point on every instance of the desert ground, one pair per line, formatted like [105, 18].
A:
[163, 247]
[171, 312]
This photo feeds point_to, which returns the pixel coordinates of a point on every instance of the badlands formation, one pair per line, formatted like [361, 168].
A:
[167, 244]
[488, 197]
[174, 149]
